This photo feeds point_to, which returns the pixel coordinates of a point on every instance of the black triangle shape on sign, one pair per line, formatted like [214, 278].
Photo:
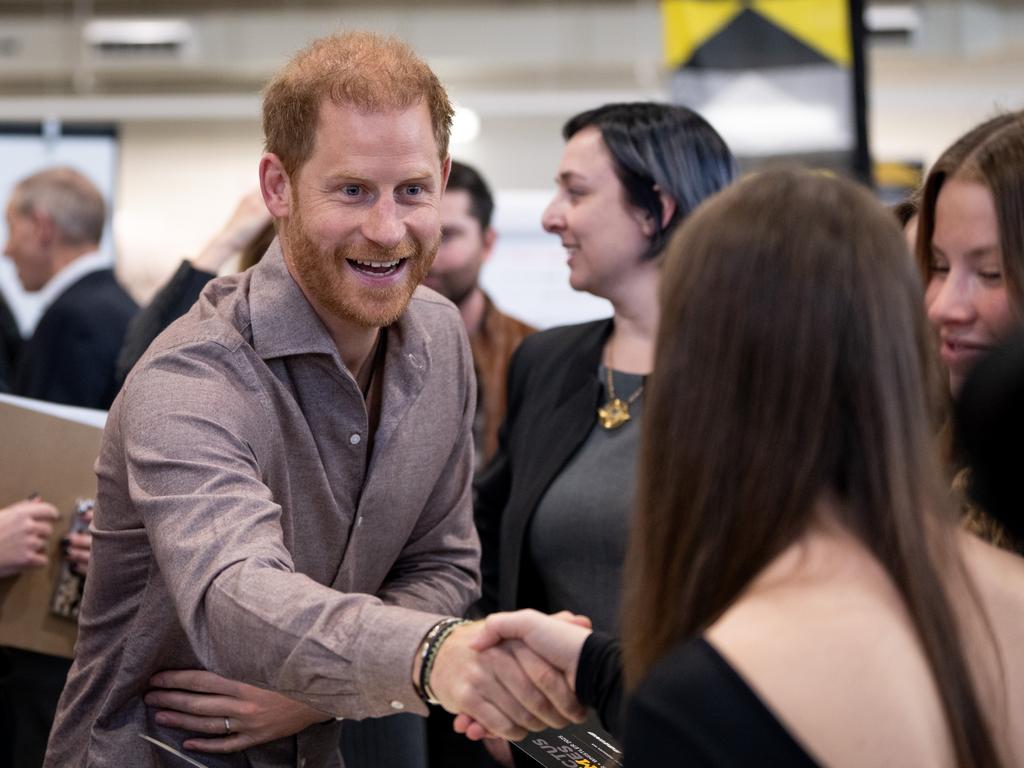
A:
[750, 41]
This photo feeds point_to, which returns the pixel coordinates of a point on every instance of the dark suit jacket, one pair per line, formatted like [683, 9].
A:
[10, 343]
[553, 395]
[71, 356]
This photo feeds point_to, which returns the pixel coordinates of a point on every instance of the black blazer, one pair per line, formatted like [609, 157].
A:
[10, 344]
[71, 356]
[553, 394]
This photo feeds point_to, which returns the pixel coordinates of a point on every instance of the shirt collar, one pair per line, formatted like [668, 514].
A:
[284, 323]
[70, 274]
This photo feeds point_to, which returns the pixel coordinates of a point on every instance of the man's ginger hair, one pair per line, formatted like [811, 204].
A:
[359, 69]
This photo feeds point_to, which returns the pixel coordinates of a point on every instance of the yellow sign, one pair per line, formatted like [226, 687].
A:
[823, 25]
[688, 24]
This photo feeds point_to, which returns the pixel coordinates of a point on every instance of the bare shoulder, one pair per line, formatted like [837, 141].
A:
[823, 638]
[998, 578]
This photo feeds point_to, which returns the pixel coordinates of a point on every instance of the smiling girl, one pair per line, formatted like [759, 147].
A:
[970, 250]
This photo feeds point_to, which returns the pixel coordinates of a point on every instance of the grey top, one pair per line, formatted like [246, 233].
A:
[241, 529]
[578, 534]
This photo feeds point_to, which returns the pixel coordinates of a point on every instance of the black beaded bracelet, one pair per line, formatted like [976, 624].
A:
[428, 655]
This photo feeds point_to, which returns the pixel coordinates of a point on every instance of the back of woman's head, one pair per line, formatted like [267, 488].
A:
[660, 147]
[790, 359]
[991, 154]
[791, 356]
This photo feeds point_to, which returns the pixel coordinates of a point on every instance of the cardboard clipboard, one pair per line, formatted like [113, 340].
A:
[50, 450]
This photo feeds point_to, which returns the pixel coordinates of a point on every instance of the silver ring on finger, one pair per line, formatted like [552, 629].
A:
[227, 725]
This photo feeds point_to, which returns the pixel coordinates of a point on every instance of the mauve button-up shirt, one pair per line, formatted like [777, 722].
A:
[242, 528]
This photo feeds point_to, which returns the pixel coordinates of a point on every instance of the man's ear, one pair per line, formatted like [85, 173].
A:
[45, 228]
[490, 238]
[276, 186]
[446, 169]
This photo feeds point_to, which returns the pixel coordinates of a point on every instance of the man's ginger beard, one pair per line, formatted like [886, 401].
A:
[336, 288]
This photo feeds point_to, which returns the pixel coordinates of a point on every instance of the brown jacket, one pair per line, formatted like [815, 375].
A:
[493, 344]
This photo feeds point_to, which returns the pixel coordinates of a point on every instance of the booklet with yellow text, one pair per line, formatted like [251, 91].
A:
[586, 745]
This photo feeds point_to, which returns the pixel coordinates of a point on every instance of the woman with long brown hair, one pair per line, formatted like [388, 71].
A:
[806, 538]
[970, 251]
[798, 591]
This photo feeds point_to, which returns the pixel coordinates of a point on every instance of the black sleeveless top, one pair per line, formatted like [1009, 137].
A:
[693, 710]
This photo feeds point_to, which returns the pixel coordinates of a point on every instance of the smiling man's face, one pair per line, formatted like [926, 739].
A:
[364, 223]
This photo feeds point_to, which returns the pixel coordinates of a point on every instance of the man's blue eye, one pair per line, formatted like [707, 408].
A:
[351, 190]
[414, 189]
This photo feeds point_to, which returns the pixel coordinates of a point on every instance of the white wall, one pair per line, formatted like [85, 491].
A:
[921, 103]
[178, 183]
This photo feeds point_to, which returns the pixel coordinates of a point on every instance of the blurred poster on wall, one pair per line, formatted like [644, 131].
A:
[896, 180]
[779, 79]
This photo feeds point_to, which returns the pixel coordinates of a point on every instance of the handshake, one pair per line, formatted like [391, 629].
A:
[510, 674]
[504, 677]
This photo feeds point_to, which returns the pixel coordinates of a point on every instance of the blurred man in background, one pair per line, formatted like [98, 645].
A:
[55, 222]
[467, 240]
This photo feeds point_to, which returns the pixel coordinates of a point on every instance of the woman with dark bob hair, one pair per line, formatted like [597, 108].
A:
[798, 591]
[553, 506]
[563, 474]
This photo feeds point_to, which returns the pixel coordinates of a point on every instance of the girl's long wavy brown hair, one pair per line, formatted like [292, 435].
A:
[991, 154]
[791, 362]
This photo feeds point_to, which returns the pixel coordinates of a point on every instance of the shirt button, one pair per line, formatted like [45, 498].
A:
[396, 704]
[354, 438]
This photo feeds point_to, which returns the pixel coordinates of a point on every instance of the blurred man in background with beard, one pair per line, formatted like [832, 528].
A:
[467, 240]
